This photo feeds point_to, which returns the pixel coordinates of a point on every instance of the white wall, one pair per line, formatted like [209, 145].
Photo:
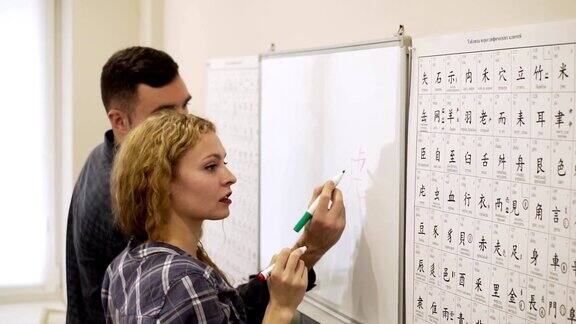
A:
[99, 28]
[195, 31]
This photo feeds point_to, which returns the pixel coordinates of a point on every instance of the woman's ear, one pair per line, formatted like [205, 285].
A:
[170, 190]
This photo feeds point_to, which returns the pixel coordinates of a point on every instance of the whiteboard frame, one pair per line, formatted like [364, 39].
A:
[400, 41]
[311, 307]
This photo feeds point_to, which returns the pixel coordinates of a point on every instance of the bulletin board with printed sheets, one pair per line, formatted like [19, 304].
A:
[233, 103]
[491, 177]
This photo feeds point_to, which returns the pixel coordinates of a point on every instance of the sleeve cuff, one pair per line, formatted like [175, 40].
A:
[311, 279]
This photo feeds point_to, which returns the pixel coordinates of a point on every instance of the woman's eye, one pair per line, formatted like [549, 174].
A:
[211, 167]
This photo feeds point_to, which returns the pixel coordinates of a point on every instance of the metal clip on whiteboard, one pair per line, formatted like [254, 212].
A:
[400, 31]
[405, 41]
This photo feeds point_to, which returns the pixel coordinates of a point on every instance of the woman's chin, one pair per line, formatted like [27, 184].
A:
[219, 216]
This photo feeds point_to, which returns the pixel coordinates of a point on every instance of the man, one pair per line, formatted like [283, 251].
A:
[135, 83]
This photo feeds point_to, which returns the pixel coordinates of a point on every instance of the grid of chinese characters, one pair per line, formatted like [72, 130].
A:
[495, 187]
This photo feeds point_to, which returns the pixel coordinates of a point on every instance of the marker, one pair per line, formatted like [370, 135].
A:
[264, 274]
[308, 214]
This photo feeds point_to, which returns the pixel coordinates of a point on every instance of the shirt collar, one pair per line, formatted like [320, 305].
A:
[109, 146]
[148, 248]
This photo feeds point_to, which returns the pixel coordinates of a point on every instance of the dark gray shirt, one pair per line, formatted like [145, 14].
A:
[92, 240]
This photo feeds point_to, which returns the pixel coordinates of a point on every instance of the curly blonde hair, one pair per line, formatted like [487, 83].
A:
[143, 168]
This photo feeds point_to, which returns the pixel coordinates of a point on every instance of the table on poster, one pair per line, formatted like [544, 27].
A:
[491, 200]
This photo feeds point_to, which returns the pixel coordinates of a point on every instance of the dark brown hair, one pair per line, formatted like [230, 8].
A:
[132, 66]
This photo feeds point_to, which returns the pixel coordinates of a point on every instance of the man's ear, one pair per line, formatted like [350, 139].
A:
[119, 120]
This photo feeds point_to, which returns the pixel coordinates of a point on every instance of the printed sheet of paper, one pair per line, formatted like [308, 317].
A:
[232, 103]
[491, 178]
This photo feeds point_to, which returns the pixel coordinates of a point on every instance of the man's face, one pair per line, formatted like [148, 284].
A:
[149, 100]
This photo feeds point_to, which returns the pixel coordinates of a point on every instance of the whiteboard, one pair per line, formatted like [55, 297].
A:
[491, 181]
[232, 103]
[321, 112]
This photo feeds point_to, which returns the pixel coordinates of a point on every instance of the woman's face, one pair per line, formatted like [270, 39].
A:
[201, 185]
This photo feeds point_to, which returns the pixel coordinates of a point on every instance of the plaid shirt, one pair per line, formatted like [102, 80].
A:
[159, 283]
[92, 240]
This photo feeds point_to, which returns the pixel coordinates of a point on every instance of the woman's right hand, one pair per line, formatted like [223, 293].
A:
[288, 281]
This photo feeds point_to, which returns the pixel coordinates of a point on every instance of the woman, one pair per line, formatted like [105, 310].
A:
[168, 177]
